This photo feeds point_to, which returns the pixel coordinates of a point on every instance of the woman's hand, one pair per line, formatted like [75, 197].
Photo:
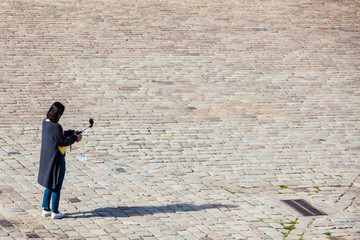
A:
[79, 137]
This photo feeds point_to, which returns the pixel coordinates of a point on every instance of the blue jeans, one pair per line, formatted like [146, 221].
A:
[55, 193]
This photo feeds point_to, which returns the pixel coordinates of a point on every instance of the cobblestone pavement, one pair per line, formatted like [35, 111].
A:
[207, 115]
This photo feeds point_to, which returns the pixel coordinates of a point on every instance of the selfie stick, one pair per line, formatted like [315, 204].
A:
[91, 121]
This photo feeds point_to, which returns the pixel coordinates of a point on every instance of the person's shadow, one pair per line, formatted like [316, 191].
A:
[124, 212]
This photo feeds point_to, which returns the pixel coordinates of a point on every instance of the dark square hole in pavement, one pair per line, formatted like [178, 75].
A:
[32, 235]
[303, 207]
[5, 223]
[74, 200]
[120, 170]
[13, 153]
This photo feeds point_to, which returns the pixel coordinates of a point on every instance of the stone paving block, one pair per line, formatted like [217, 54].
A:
[239, 97]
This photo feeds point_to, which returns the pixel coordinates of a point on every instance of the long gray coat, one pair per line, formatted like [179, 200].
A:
[52, 135]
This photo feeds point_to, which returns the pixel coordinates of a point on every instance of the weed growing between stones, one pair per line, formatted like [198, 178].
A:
[289, 228]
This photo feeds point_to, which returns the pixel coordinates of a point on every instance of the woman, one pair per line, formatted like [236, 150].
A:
[52, 158]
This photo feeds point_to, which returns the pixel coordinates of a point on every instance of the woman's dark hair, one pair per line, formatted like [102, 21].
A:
[55, 112]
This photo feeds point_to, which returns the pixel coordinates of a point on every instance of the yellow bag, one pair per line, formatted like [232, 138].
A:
[62, 149]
